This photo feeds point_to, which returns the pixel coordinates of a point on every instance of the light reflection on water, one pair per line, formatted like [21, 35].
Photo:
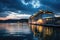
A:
[15, 28]
[18, 29]
[45, 33]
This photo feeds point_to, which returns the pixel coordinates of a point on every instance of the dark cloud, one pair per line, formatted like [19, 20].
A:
[53, 4]
[15, 5]
[8, 5]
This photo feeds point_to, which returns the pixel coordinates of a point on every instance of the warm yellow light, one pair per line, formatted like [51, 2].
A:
[40, 28]
[33, 27]
[48, 31]
[49, 13]
[40, 21]
[47, 19]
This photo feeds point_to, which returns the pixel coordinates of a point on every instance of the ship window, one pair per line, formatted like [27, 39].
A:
[47, 16]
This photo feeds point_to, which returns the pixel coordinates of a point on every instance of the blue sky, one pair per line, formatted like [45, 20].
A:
[28, 6]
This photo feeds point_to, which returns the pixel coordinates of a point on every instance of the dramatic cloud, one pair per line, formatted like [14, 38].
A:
[53, 4]
[34, 3]
[28, 6]
[13, 15]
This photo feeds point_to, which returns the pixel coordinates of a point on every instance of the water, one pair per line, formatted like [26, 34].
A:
[24, 31]
[15, 31]
[46, 33]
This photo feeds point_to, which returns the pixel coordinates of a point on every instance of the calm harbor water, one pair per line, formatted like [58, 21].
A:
[15, 31]
[24, 31]
[46, 33]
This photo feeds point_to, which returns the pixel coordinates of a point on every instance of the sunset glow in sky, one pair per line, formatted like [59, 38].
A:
[14, 15]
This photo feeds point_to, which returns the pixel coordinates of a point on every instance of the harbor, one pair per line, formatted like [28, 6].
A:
[40, 26]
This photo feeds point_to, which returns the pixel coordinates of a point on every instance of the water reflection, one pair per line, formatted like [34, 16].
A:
[46, 33]
[24, 31]
[15, 31]
[13, 28]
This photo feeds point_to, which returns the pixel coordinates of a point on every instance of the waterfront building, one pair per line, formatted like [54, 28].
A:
[41, 17]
